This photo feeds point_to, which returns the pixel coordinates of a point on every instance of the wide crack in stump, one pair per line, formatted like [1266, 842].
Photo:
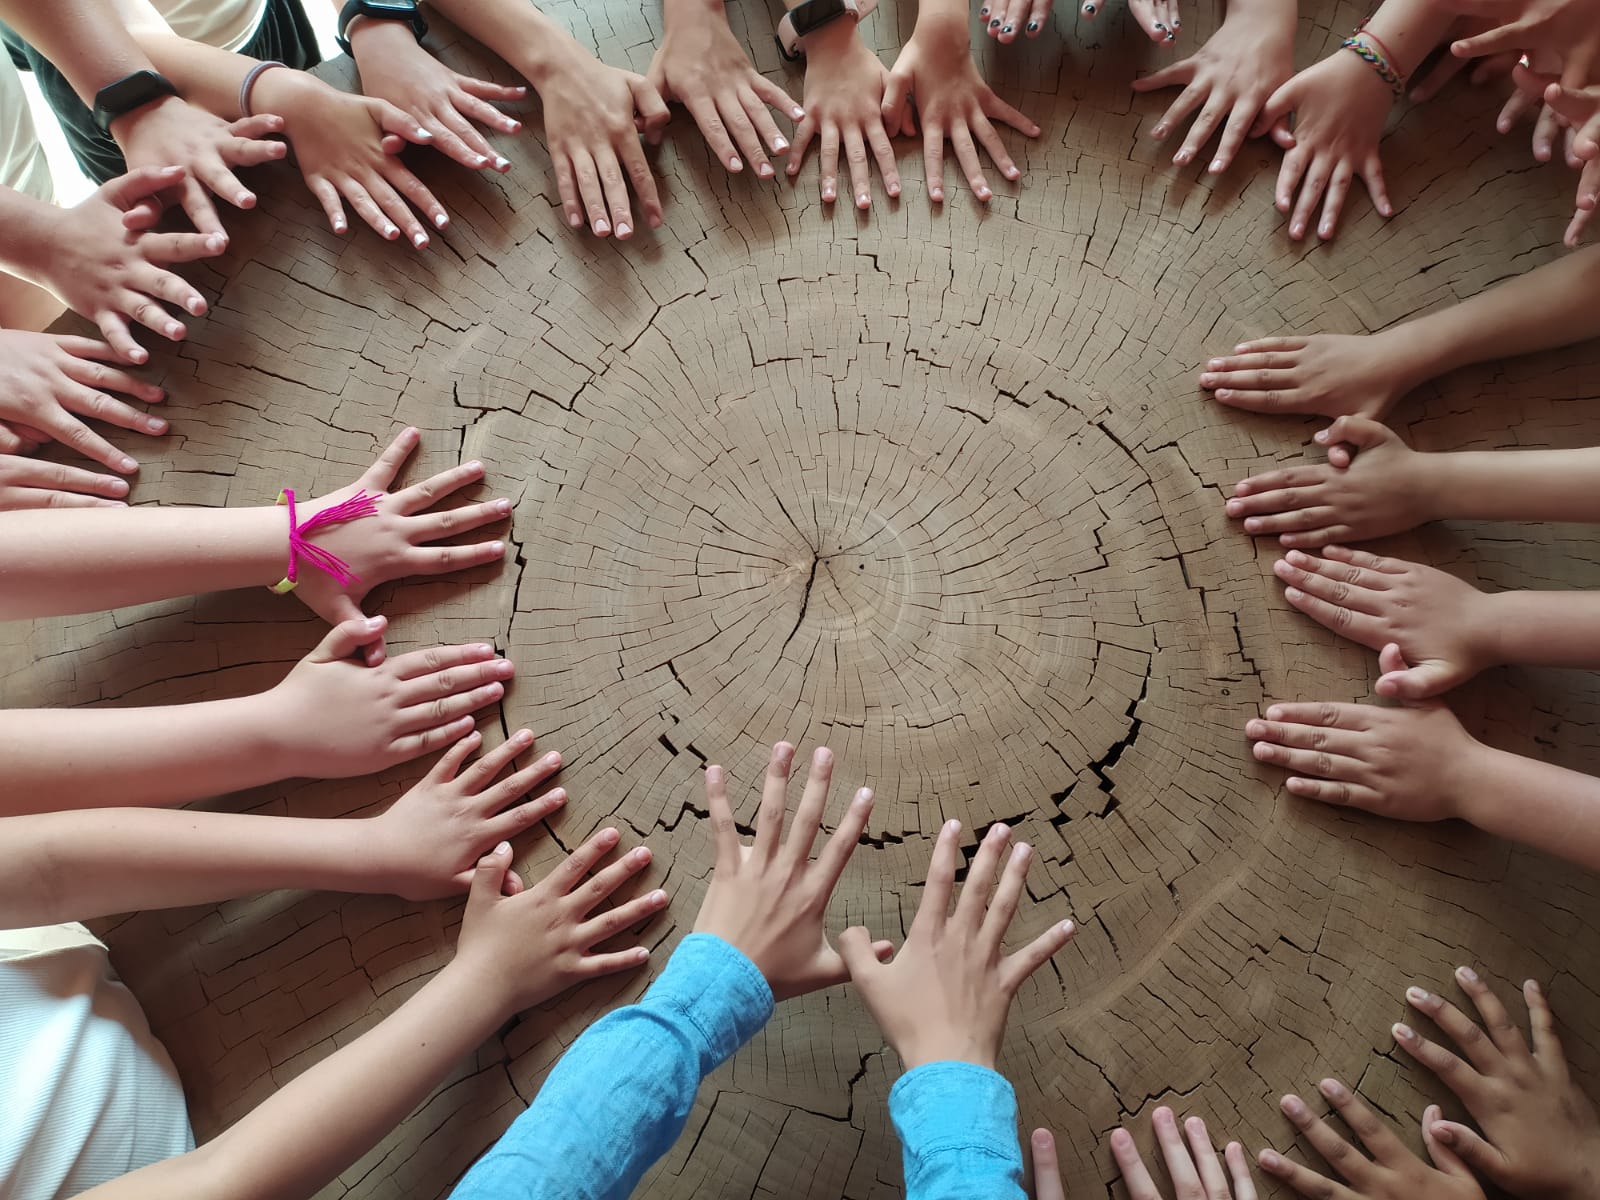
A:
[935, 486]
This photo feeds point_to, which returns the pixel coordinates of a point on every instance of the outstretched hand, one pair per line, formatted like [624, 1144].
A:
[1197, 1173]
[528, 944]
[946, 994]
[768, 900]
[392, 543]
[1541, 1133]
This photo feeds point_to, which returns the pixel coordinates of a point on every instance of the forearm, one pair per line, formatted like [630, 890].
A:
[59, 561]
[517, 31]
[298, 1140]
[1545, 629]
[74, 758]
[1556, 305]
[945, 16]
[1536, 803]
[205, 75]
[83, 38]
[1514, 485]
[27, 232]
[619, 1097]
[75, 866]
[1409, 30]
[957, 1124]
[674, 12]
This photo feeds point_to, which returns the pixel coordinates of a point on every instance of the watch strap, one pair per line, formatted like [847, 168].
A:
[122, 96]
[373, 12]
[791, 42]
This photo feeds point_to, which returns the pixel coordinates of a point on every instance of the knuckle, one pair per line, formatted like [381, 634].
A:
[1327, 714]
[432, 659]
[446, 682]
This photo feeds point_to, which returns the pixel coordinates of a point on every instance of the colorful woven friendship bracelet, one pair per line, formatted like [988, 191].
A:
[362, 504]
[1377, 61]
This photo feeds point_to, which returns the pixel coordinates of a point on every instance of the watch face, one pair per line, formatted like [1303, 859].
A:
[389, 8]
[815, 13]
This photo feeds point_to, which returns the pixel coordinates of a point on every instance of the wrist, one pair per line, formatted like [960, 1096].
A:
[544, 51]
[1479, 784]
[1414, 353]
[283, 91]
[368, 36]
[943, 30]
[32, 230]
[1436, 482]
[947, 1046]
[1362, 79]
[831, 42]
[476, 975]
[1492, 623]
[123, 127]
[682, 10]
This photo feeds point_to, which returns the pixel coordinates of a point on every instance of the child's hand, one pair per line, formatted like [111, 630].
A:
[1331, 374]
[1440, 623]
[1158, 18]
[593, 116]
[348, 147]
[397, 68]
[170, 132]
[392, 543]
[1248, 59]
[48, 382]
[1393, 1172]
[1541, 1136]
[104, 271]
[527, 945]
[768, 900]
[1413, 763]
[1046, 1167]
[1340, 106]
[1002, 18]
[431, 839]
[704, 67]
[1387, 488]
[29, 483]
[1195, 1170]
[843, 102]
[935, 79]
[335, 718]
[946, 994]
[1565, 30]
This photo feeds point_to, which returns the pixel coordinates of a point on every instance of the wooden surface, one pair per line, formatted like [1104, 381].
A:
[935, 487]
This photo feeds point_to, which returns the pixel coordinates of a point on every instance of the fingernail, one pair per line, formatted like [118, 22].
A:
[863, 200]
[1333, 1089]
[1033, 27]
[1006, 29]
[196, 306]
[1182, 157]
[780, 143]
[952, 826]
[1403, 1032]
[391, 231]
[523, 737]
[1216, 166]
[575, 220]
[501, 164]
[216, 243]
[1088, 10]
[1295, 1107]
[1270, 1161]
[1466, 975]
[339, 226]
[420, 240]
[984, 193]
[863, 797]
[937, 195]
[481, 160]
[764, 170]
[156, 425]
[734, 164]
[994, 24]
[624, 230]
[504, 667]
[424, 136]
[1069, 928]
[440, 220]
[174, 331]
[602, 226]
[1159, 132]
[1255, 729]
[657, 898]
[797, 112]
[609, 837]
[127, 464]
[503, 848]
[374, 624]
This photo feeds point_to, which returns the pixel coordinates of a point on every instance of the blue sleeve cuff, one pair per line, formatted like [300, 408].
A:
[717, 990]
[957, 1120]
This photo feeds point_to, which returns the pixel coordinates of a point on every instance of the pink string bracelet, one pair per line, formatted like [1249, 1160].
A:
[362, 504]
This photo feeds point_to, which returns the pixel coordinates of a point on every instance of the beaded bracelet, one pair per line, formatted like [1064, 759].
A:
[1377, 61]
[362, 504]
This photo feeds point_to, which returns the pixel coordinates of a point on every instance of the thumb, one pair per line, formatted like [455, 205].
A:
[1361, 432]
[127, 190]
[345, 638]
[1415, 683]
[488, 879]
[1390, 660]
[1455, 1148]
[395, 121]
[1275, 111]
[856, 948]
[652, 109]
[894, 99]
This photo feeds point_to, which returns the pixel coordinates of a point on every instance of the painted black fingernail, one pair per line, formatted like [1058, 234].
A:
[1161, 27]
[1033, 27]
[1088, 10]
[1007, 29]
[994, 22]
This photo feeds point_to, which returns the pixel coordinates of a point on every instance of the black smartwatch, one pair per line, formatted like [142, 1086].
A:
[812, 15]
[380, 10]
[124, 95]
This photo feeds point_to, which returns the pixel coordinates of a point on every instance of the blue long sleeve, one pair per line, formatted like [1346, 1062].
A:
[958, 1133]
[619, 1097]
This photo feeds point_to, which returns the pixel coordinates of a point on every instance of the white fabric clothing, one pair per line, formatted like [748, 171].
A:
[87, 1093]
[227, 24]
[22, 161]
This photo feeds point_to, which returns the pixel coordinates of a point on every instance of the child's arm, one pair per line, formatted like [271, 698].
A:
[74, 866]
[331, 718]
[516, 950]
[942, 1005]
[1416, 763]
[1446, 628]
[70, 561]
[593, 113]
[619, 1097]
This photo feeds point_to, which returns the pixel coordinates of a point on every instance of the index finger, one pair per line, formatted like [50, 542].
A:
[201, 212]
[774, 802]
[1046, 1167]
[808, 817]
[1135, 1175]
[935, 907]
[380, 476]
